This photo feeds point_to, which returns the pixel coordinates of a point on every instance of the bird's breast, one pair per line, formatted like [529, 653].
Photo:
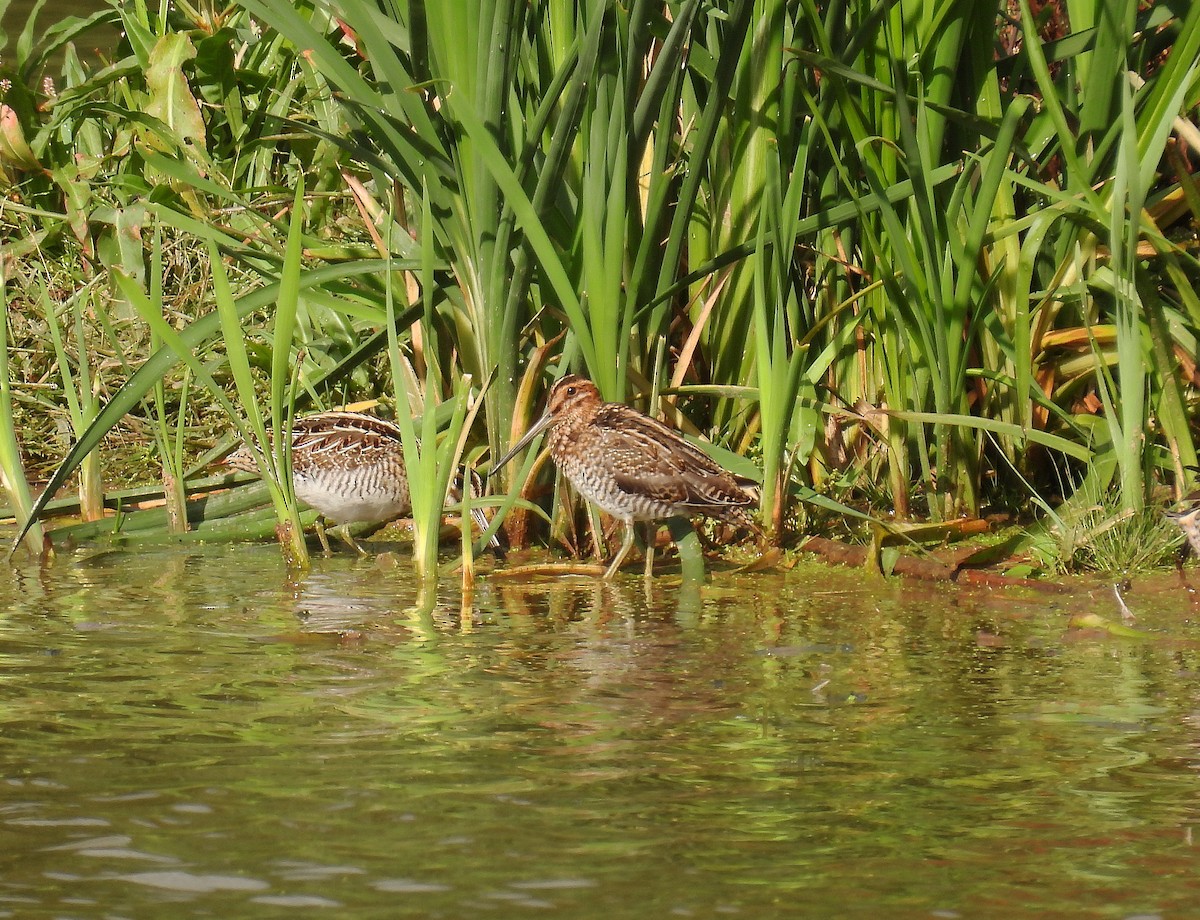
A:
[367, 492]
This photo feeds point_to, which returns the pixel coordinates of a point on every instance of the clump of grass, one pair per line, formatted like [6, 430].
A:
[109, 338]
[1120, 543]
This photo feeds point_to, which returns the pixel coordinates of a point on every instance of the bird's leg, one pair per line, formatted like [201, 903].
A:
[651, 533]
[319, 527]
[343, 531]
[626, 546]
[598, 543]
[1180, 559]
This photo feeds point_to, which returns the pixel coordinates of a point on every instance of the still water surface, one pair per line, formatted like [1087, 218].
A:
[183, 733]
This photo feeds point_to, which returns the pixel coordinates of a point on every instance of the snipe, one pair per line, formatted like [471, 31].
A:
[1189, 522]
[350, 468]
[631, 465]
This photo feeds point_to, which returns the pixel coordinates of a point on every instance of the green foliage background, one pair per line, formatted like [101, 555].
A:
[926, 256]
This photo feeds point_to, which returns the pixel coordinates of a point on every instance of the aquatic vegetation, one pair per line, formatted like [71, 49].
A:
[791, 226]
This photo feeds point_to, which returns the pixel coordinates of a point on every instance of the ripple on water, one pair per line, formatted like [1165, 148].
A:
[193, 883]
[809, 738]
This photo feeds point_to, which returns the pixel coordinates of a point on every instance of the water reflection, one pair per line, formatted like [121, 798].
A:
[188, 727]
[344, 600]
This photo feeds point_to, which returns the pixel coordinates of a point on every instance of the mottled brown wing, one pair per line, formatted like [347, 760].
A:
[649, 458]
[342, 440]
[347, 434]
[349, 438]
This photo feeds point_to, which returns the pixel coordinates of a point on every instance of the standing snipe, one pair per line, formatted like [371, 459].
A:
[632, 466]
[1189, 522]
[350, 468]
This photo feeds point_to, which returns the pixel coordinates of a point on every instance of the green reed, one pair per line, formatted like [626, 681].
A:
[79, 388]
[12, 471]
[874, 246]
[430, 458]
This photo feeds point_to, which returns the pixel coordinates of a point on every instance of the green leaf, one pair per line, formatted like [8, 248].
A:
[171, 99]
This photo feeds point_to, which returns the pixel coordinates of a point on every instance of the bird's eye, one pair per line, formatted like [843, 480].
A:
[570, 391]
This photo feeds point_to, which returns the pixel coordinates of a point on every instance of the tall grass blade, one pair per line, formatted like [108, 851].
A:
[11, 468]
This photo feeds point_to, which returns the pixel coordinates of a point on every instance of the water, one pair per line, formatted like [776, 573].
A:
[15, 15]
[185, 733]
[16, 12]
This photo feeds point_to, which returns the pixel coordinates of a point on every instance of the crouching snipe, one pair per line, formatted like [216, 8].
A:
[631, 465]
[350, 468]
